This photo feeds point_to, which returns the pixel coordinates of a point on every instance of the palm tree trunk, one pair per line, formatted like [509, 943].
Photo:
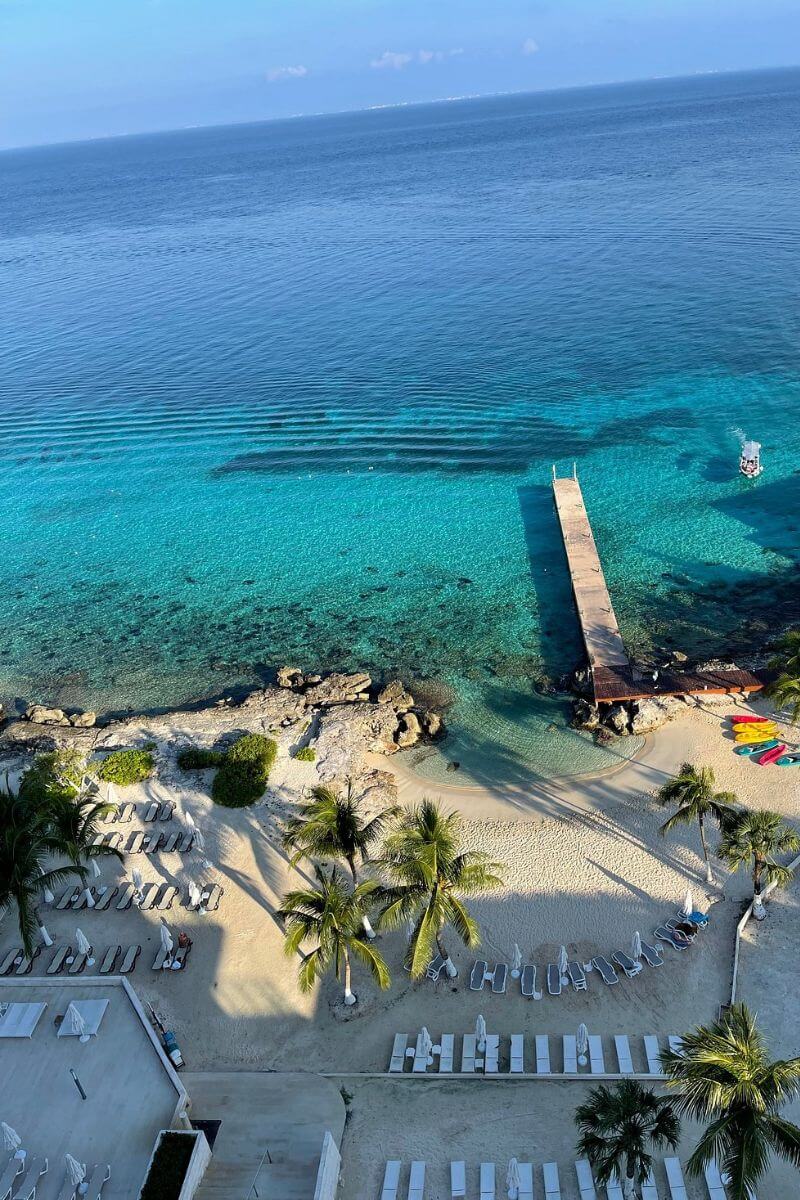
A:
[349, 998]
[709, 872]
[759, 912]
[451, 970]
[368, 930]
[629, 1189]
[48, 941]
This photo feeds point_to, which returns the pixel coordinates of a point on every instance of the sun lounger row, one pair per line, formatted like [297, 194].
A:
[154, 895]
[113, 962]
[485, 1058]
[21, 1177]
[575, 975]
[159, 812]
[123, 813]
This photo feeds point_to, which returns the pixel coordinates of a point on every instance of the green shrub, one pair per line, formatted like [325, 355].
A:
[243, 775]
[306, 754]
[150, 746]
[53, 776]
[124, 767]
[195, 759]
[168, 1168]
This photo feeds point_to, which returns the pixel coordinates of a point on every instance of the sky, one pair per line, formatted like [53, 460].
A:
[76, 69]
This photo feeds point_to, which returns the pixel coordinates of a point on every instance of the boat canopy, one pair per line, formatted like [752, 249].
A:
[751, 449]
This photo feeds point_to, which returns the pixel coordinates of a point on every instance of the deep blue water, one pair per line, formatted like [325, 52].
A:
[292, 392]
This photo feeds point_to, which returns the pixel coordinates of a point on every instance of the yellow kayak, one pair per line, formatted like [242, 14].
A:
[742, 727]
[745, 729]
[752, 738]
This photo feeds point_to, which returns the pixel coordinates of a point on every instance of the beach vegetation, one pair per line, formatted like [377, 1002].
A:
[723, 1077]
[76, 824]
[244, 772]
[57, 774]
[619, 1127]
[429, 876]
[195, 758]
[752, 841]
[785, 690]
[331, 914]
[125, 767]
[692, 794]
[306, 754]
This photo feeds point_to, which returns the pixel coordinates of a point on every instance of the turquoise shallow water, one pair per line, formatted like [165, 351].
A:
[291, 392]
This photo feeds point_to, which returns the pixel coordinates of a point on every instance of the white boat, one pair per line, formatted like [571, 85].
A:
[750, 460]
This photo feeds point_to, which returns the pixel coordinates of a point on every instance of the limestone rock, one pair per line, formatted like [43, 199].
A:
[338, 689]
[585, 715]
[84, 720]
[410, 729]
[649, 715]
[432, 723]
[289, 677]
[395, 694]
[349, 731]
[41, 715]
[618, 719]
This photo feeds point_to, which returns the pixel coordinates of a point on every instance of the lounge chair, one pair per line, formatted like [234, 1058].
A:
[185, 844]
[525, 1181]
[697, 918]
[416, 1181]
[391, 1179]
[487, 1181]
[170, 843]
[652, 955]
[135, 842]
[212, 896]
[527, 981]
[552, 1187]
[585, 1179]
[35, 1168]
[152, 843]
[398, 1060]
[676, 940]
[78, 964]
[517, 1065]
[69, 1190]
[468, 1047]
[109, 960]
[14, 1168]
[677, 1188]
[623, 1048]
[433, 969]
[97, 840]
[126, 897]
[716, 1188]
[128, 963]
[629, 965]
[167, 809]
[553, 980]
[114, 840]
[167, 898]
[614, 1189]
[125, 811]
[103, 901]
[570, 1044]
[98, 1178]
[152, 812]
[653, 1055]
[12, 958]
[607, 972]
[420, 1056]
[82, 900]
[596, 1060]
[56, 964]
[180, 956]
[70, 895]
[458, 1179]
[477, 976]
[446, 1053]
[491, 1054]
[149, 895]
[542, 1054]
[649, 1189]
[499, 979]
[577, 976]
[686, 927]
[24, 967]
[675, 1043]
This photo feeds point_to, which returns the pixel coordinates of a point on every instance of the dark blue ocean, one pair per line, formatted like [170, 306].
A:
[291, 392]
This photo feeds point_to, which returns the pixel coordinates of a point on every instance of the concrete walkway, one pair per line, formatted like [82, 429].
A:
[264, 1115]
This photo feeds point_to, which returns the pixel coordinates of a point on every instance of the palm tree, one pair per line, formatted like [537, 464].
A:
[723, 1076]
[785, 690]
[428, 878]
[27, 844]
[332, 914]
[692, 790]
[617, 1127]
[75, 825]
[332, 826]
[752, 841]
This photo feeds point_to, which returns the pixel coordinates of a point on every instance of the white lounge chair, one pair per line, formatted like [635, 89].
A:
[570, 1054]
[542, 1054]
[527, 982]
[653, 1053]
[14, 1168]
[614, 1189]
[478, 976]
[434, 968]
[98, 1178]
[391, 1180]
[398, 1059]
[517, 1054]
[416, 1181]
[596, 1055]
[491, 1054]
[553, 980]
[716, 1188]
[468, 1054]
[525, 1181]
[577, 976]
[487, 1181]
[458, 1179]
[585, 1179]
[446, 1053]
[552, 1187]
[623, 1048]
[499, 977]
[649, 1189]
[420, 1056]
[35, 1168]
[677, 1188]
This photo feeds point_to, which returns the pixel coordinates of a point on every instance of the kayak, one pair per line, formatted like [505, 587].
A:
[748, 718]
[767, 727]
[744, 738]
[756, 747]
[772, 755]
[788, 760]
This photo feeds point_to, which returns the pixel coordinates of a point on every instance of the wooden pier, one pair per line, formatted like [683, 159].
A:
[614, 677]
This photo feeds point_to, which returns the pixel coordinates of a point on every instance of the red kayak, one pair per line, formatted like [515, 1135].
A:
[772, 755]
[748, 718]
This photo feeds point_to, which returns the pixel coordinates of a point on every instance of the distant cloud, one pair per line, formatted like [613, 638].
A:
[530, 46]
[397, 62]
[276, 74]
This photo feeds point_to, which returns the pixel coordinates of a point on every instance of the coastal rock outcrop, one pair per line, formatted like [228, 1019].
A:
[410, 730]
[288, 677]
[39, 714]
[585, 715]
[649, 715]
[347, 733]
[432, 723]
[395, 694]
[83, 720]
[618, 719]
[338, 689]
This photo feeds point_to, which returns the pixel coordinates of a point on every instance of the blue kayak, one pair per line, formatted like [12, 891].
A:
[758, 748]
[788, 760]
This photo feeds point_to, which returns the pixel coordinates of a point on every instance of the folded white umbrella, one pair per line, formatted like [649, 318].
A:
[11, 1139]
[480, 1031]
[513, 1179]
[75, 1171]
[516, 962]
[688, 903]
[636, 946]
[166, 944]
[48, 895]
[582, 1044]
[195, 895]
[111, 796]
[562, 962]
[427, 1043]
[76, 1023]
[190, 819]
[95, 868]
[84, 946]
